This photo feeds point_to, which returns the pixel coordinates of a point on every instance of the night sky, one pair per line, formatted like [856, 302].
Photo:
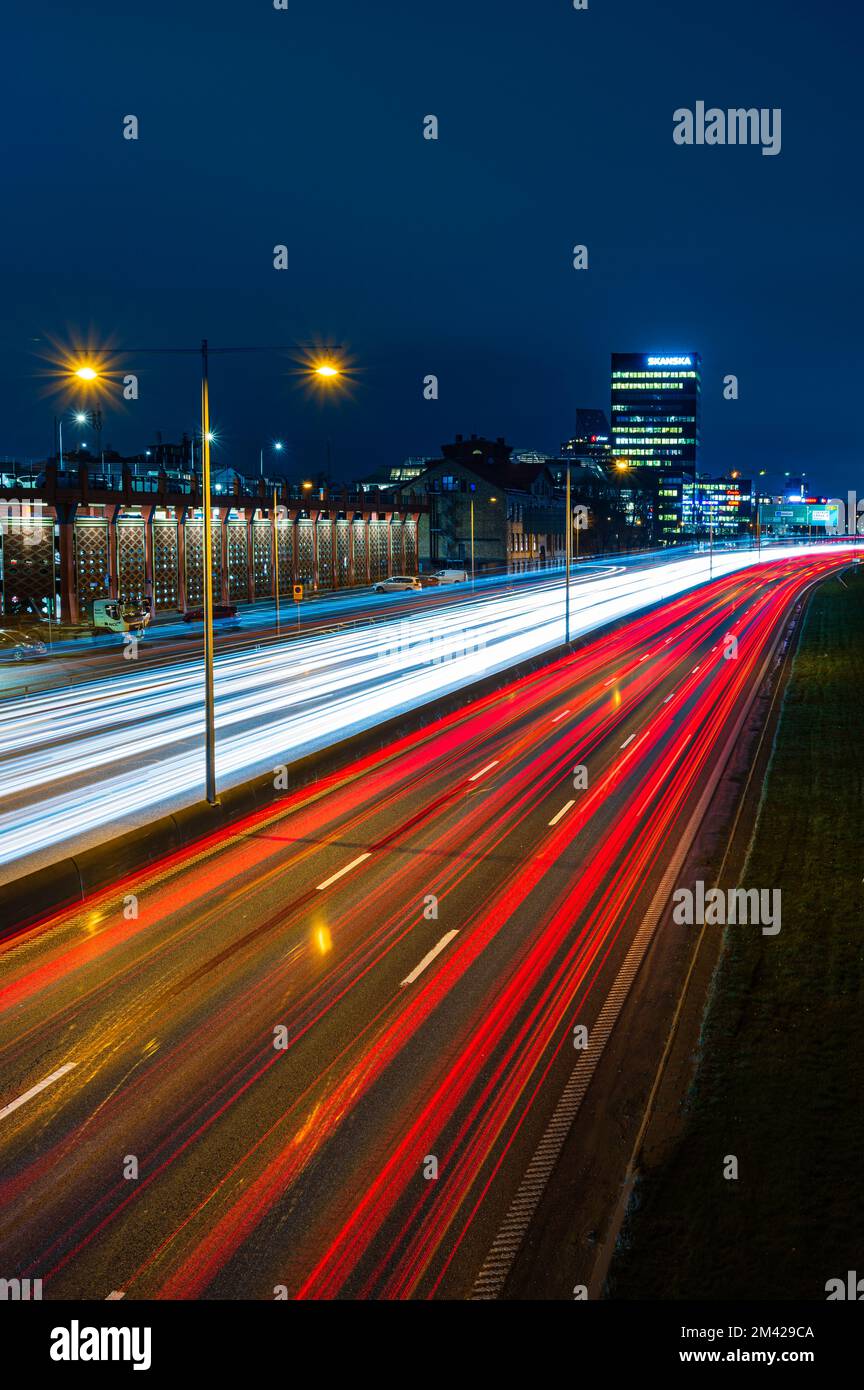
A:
[453, 257]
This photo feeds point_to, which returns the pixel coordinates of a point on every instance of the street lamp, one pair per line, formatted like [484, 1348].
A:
[277, 447]
[86, 372]
[489, 499]
[568, 546]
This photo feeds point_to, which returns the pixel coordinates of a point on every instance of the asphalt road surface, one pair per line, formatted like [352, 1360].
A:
[105, 756]
[313, 1058]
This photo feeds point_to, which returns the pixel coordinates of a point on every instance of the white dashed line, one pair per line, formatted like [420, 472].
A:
[628, 740]
[428, 959]
[483, 771]
[113, 1297]
[34, 1090]
[562, 812]
[347, 869]
[562, 715]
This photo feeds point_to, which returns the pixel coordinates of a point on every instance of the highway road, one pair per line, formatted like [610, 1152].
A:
[112, 753]
[312, 1060]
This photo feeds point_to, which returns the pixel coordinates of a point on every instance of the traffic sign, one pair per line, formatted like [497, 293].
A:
[298, 592]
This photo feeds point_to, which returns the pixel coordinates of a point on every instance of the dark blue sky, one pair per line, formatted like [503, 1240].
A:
[260, 127]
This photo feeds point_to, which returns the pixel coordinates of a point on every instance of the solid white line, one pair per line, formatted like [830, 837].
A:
[628, 740]
[347, 869]
[483, 771]
[562, 812]
[562, 715]
[34, 1090]
[428, 959]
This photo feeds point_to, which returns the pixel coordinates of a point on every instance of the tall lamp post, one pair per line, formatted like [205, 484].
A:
[472, 541]
[86, 372]
[568, 545]
[276, 557]
[277, 446]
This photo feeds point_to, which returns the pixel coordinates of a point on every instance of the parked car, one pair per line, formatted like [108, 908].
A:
[450, 576]
[223, 613]
[21, 646]
[397, 583]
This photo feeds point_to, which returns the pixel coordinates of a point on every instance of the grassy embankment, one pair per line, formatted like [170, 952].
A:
[780, 1079]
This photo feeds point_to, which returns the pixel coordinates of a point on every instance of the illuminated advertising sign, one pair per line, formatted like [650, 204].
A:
[670, 361]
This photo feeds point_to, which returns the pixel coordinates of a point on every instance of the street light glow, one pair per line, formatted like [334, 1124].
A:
[326, 370]
[87, 373]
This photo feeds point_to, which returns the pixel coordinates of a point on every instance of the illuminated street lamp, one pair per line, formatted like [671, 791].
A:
[277, 447]
[86, 372]
[490, 499]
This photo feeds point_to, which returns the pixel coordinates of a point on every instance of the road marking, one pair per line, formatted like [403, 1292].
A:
[644, 658]
[483, 771]
[562, 715]
[347, 869]
[628, 740]
[668, 698]
[562, 812]
[34, 1090]
[428, 959]
[695, 669]
[113, 1297]
[610, 682]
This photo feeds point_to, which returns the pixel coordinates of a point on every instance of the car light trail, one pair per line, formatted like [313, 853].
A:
[467, 1101]
[116, 748]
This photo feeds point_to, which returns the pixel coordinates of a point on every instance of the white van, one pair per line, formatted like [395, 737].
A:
[117, 615]
[450, 576]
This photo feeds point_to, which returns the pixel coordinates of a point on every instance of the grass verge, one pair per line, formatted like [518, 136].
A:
[779, 1080]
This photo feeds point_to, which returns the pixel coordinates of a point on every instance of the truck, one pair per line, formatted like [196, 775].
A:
[119, 615]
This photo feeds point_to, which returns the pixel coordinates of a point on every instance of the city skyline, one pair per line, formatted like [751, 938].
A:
[467, 239]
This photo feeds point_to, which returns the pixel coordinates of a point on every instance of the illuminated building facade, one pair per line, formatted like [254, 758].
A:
[655, 430]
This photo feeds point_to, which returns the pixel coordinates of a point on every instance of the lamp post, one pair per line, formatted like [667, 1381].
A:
[277, 445]
[276, 557]
[88, 373]
[472, 542]
[568, 544]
